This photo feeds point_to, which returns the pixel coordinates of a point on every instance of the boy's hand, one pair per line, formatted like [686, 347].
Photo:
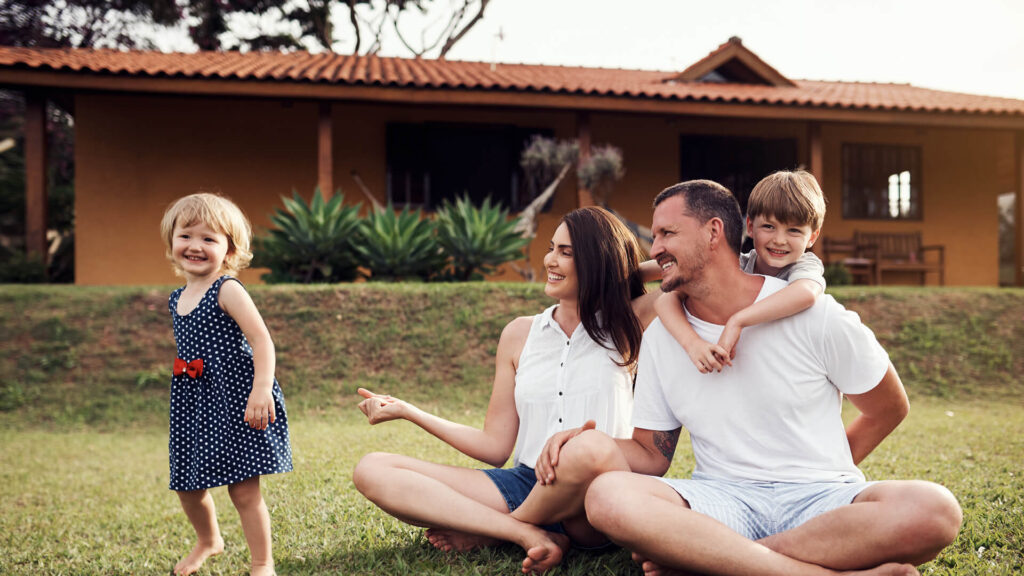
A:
[727, 341]
[708, 357]
[259, 410]
[380, 407]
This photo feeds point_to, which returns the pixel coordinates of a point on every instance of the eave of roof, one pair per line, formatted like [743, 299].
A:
[371, 78]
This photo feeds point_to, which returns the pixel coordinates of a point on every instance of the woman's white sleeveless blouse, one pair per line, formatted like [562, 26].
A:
[562, 382]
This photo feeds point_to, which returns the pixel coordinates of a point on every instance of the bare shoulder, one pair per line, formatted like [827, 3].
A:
[232, 294]
[518, 329]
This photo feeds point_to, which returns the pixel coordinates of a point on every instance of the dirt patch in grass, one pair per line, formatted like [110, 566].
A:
[101, 356]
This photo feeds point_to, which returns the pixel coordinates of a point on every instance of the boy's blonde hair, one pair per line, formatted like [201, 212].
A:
[217, 212]
[789, 197]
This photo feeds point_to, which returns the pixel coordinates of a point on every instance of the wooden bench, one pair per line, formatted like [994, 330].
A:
[845, 251]
[900, 252]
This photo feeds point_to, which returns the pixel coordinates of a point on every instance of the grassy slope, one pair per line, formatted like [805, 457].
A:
[83, 416]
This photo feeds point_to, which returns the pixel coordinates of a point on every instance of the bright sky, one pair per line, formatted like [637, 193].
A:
[974, 46]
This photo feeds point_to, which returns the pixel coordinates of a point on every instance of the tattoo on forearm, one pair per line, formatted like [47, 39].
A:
[666, 442]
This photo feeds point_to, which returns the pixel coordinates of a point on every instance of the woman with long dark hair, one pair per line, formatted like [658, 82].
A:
[571, 364]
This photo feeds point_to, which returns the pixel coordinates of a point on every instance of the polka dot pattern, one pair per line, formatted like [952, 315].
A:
[210, 443]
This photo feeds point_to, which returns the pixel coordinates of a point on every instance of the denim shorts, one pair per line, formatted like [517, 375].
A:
[759, 509]
[515, 485]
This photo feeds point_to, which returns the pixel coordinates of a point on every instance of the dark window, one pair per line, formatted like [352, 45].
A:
[736, 163]
[430, 162]
[881, 182]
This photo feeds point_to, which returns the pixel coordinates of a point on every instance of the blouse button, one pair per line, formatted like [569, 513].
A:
[559, 393]
[562, 364]
[559, 420]
[566, 342]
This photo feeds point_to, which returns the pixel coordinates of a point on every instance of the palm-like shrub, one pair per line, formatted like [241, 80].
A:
[310, 242]
[477, 240]
[398, 246]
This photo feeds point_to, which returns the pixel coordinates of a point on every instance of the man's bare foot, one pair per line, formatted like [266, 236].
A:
[455, 541]
[891, 569]
[545, 553]
[652, 569]
[190, 564]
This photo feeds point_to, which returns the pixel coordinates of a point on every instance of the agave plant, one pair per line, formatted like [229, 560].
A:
[398, 246]
[477, 240]
[310, 242]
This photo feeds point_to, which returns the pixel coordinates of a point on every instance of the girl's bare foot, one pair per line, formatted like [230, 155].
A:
[545, 553]
[455, 541]
[190, 564]
[262, 570]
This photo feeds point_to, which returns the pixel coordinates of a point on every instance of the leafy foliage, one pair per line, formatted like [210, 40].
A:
[311, 242]
[83, 23]
[477, 239]
[399, 245]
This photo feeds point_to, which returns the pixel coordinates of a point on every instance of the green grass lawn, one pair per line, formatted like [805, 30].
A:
[83, 440]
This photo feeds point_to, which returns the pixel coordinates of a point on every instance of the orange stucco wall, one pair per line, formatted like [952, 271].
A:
[135, 154]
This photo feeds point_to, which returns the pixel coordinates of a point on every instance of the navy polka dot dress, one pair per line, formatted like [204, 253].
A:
[210, 443]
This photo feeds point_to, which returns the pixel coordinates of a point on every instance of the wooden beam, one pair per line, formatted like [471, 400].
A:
[325, 158]
[1018, 202]
[584, 197]
[35, 173]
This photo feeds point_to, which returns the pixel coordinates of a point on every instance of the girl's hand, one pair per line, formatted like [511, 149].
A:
[259, 411]
[708, 357]
[380, 407]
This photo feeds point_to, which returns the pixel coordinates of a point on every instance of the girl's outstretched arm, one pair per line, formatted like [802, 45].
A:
[492, 445]
[235, 300]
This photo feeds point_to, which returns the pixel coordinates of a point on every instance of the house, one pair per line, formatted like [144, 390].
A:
[150, 127]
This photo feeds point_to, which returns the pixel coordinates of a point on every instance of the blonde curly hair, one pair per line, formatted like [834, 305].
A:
[220, 214]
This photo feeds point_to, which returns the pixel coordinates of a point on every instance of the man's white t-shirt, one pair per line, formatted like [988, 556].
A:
[774, 415]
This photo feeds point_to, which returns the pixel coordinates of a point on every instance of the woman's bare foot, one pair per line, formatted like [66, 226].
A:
[190, 564]
[545, 553]
[455, 541]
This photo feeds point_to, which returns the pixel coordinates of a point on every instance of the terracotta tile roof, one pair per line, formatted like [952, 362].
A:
[351, 70]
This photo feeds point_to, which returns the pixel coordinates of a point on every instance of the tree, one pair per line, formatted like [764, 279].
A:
[83, 23]
[321, 24]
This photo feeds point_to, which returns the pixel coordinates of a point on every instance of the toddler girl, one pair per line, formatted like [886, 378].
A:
[227, 420]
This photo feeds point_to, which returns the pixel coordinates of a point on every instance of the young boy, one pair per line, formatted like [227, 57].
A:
[784, 216]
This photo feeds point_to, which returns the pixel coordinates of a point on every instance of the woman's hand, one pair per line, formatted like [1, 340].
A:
[259, 410]
[381, 407]
[548, 460]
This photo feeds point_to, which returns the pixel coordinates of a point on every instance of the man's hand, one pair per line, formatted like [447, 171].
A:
[548, 460]
[380, 407]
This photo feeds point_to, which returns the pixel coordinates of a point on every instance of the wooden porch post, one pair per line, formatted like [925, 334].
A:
[1018, 203]
[584, 197]
[816, 160]
[35, 173]
[325, 160]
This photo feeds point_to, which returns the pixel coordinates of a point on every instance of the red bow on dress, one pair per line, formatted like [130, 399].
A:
[194, 368]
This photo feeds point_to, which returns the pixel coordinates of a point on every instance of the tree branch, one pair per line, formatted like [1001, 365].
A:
[450, 43]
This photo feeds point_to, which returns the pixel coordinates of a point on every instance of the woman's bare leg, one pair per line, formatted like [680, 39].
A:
[452, 498]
